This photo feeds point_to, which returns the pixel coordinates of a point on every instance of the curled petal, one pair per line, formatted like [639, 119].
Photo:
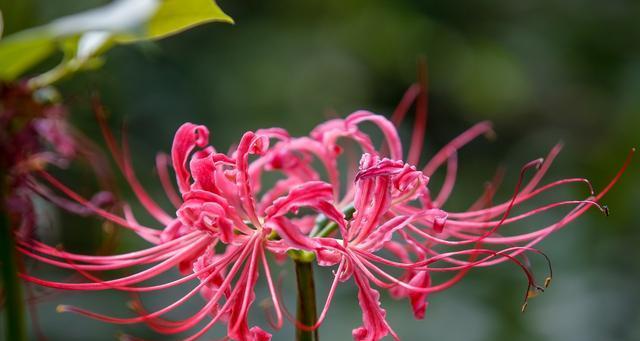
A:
[172, 231]
[278, 189]
[212, 278]
[377, 239]
[374, 324]
[258, 334]
[187, 138]
[328, 257]
[385, 167]
[203, 168]
[371, 202]
[210, 212]
[410, 180]
[293, 236]
[419, 299]
[316, 195]
[238, 328]
[249, 144]
[308, 194]
[388, 130]
[210, 217]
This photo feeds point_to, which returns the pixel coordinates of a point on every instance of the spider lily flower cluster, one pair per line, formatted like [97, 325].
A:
[382, 220]
[35, 133]
[26, 124]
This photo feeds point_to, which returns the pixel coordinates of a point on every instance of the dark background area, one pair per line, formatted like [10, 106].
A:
[541, 71]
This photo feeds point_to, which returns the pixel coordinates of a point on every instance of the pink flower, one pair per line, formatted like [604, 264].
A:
[35, 134]
[377, 216]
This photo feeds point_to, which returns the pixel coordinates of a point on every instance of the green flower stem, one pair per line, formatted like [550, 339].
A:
[306, 308]
[14, 310]
[306, 312]
[330, 227]
[49, 77]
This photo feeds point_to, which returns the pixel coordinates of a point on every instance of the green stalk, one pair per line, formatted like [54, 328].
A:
[14, 310]
[306, 312]
[325, 229]
[306, 308]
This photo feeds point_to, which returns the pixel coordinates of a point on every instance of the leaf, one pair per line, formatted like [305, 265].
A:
[20, 52]
[127, 17]
[94, 31]
[175, 16]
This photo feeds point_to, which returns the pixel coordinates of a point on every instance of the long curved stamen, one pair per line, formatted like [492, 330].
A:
[449, 181]
[217, 267]
[162, 164]
[272, 291]
[145, 199]
[109, 216]
[454, 145]
[132, 279]
[491, 188]
[420, 123]
[48, 250]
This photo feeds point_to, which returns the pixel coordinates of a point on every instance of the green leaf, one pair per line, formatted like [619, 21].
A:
[91, 33]
[20, 52]
[174, 16]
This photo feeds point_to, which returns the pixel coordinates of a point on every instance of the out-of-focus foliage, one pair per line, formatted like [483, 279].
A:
[83, 37]
[542, 71]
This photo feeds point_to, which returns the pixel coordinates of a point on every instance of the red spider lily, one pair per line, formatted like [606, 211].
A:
[34, 133]
[226, 222]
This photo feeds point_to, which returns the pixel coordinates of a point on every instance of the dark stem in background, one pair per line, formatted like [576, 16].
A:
[14, 310]
[306, 309]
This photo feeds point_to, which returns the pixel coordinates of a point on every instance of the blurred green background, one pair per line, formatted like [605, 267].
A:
[542, 71]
